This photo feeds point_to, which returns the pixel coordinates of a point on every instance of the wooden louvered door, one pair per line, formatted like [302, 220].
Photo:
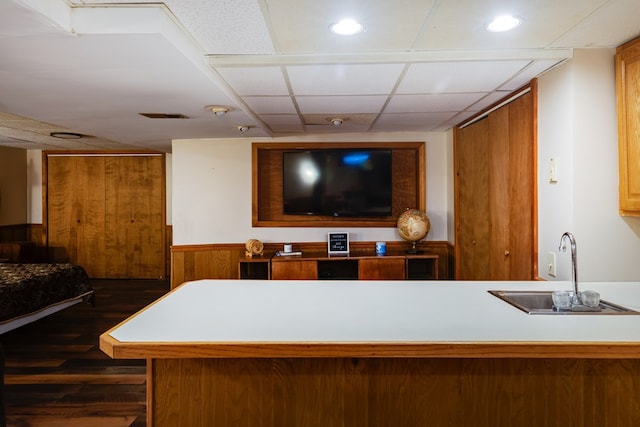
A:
[106, 213]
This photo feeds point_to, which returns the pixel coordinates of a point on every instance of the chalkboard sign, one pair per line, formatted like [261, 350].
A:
[338, 243]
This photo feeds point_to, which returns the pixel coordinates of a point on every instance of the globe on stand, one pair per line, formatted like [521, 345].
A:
[413, 226]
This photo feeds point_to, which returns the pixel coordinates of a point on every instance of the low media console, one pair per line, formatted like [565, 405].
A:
[320, 266]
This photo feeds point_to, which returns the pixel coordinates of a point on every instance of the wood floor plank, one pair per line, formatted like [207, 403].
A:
[72, 422]
[35, 363]
[56, 375]
[75, 379]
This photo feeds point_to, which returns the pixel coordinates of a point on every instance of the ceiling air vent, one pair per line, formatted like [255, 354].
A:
[163, 116]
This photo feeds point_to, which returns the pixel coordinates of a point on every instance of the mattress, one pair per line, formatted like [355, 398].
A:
[38, 289]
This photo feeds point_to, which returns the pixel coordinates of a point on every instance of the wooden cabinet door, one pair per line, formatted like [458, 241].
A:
[294, 270]
[628, 98]
[381, 268]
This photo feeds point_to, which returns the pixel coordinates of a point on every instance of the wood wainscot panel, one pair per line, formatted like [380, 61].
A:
[394, 392]
[14, 233]
[194, 262]
[220, 261]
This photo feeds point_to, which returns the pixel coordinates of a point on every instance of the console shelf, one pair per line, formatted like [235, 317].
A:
[320, 266]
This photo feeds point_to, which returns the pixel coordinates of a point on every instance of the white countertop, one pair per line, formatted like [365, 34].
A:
[234, 311]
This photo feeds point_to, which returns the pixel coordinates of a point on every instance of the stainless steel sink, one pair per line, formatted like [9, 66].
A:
[540, 302]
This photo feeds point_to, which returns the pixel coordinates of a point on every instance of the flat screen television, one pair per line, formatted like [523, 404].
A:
[337, 182]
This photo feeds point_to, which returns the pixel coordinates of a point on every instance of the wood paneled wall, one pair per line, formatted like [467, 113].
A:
[409, 182]
[396, 392]
[11, 233]
[33, 233]
[220, 261]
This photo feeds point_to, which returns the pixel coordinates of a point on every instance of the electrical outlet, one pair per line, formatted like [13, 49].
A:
[551, 264]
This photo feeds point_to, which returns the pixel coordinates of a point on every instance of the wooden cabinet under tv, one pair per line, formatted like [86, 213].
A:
[315, 266]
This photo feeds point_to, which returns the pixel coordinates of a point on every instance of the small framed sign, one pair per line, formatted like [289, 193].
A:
[338, 243]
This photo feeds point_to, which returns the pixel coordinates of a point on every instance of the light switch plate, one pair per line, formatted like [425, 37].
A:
[553, 169]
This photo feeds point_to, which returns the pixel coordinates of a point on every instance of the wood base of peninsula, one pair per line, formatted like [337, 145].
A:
[276, 392]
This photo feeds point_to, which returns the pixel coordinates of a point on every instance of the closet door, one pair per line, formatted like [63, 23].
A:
[106, 212]
[75, 205]
[522, 245]
[495, 195]
[472, 202]
[134, 216]
[500, 182]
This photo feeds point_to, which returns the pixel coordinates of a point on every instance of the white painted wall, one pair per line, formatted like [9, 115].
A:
[577, 122]
[212, 191]
[34, 186]
[13, 180]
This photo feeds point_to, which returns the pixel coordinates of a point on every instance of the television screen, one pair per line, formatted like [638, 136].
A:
[337, 182]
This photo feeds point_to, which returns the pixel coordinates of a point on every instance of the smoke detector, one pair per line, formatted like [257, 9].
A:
[336, 121]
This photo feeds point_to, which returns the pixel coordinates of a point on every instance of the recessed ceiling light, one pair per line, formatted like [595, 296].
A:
[503, 23]
[347, 27]
[66, 135]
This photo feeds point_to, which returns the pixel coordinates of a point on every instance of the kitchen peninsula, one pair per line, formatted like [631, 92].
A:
[368, 353]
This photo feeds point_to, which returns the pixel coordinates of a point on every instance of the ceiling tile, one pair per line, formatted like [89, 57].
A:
[489, 100]
[455, 120]
[340, 79]
[462, 76]
[461, 24]
[619, 17]
[270, 104]
[283, 122]
[302, 26]
[351, 121]
[534, 69]
[248, 81]
[410, 121]
[231, 27]
[340, 104]
[431, 102]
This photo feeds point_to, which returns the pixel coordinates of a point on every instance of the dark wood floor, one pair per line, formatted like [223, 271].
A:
[56, 375]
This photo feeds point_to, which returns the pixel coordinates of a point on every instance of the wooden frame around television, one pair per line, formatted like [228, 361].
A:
[408, 175]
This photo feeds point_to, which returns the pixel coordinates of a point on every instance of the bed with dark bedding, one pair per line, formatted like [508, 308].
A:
[29, 292]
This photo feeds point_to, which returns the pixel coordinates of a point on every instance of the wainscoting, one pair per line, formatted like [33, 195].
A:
[220, 261]
[33, 233]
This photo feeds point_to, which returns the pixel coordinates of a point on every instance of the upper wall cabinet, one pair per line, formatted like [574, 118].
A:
[628, 95]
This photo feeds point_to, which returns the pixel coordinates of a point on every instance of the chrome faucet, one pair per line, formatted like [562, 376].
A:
[574, 264]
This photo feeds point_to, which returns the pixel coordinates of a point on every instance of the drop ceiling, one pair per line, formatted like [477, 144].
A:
[95, 66]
